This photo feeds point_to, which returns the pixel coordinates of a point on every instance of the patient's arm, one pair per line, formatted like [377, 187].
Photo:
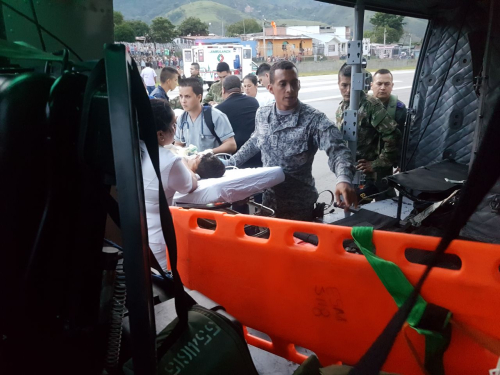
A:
[194, 180]
[228, 146]
[181, 178]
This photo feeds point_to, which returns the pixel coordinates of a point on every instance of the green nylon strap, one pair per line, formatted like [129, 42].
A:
[400, 289]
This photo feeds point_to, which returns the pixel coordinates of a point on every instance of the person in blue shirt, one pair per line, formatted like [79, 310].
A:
[169, 79]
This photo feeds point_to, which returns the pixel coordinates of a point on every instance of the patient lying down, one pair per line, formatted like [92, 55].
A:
[207, 166]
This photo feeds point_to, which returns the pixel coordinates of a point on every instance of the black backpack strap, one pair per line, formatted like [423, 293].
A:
[483, 175]
[207, 115]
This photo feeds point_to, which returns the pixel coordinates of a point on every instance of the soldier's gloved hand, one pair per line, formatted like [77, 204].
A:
[347, 192]
[364, 166]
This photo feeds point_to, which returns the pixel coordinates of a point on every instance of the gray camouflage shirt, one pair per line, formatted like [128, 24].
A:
[291, 141]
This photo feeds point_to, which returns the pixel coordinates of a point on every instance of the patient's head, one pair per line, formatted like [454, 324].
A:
[207, 166]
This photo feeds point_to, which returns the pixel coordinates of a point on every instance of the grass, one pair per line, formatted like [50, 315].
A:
[209, 11]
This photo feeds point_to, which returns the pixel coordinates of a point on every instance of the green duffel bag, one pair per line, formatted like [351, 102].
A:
[210, 343]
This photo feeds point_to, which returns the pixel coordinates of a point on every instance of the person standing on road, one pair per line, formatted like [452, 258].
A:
[149, 77]
[288, 134]
[240, 110]
[379, 139]
[169, 78]
[214, 95]
[265, 98]
[250, 85]
[382, 86]
[195, 73]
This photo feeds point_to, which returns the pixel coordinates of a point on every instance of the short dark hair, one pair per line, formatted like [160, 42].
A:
[383, 71]
[210, 167]
[168, 73]
[196, 65]
[251, 77]
[232, 84]
[263, 69]
[194, 83]
[148, 64]
[282, 65]
[345, 70]
[223, 67]
[163, 114]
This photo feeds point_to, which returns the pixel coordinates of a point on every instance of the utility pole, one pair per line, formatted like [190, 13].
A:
[244, 31]
[409, 48]
[385, 31]
[222, 27]
[264, 40]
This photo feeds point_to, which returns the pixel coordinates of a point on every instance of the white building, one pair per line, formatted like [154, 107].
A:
[366, 47]
[333, 45]
[302, 30]
[341, 31]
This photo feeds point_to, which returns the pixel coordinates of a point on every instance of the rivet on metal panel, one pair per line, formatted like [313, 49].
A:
[430, 79]
[464, 61]
[449, 154]
[457, 80]
[456, 119]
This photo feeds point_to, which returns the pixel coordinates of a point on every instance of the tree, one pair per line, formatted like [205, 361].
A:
[162, 30]
[377, 35]
[192, 26]
[389, 21]
[247, 26]
[117, 18]
[124, 33]
[140, 28]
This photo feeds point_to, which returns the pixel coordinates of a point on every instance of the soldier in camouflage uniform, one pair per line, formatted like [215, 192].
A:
[379, 139]
[288, 134]
[169, 79]
[214, 95]
[195, 73]
[382, 89]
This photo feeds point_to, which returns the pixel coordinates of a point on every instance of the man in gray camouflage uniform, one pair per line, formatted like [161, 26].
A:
[288, 134]
[379, 139]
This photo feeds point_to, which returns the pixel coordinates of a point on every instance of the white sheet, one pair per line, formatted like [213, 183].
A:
[235, 185]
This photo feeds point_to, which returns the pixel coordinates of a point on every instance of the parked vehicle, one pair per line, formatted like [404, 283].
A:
[237, 56]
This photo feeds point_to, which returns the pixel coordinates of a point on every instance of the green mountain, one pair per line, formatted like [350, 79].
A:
[218, 12]
[207, 11]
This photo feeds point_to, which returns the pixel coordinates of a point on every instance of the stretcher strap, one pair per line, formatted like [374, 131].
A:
[481, 179]
[427, 319]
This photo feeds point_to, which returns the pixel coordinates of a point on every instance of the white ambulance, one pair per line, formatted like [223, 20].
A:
[237, 56]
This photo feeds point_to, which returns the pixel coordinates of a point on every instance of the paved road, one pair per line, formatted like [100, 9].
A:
[322, 92]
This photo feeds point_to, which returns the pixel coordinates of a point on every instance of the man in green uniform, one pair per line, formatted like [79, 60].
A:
[195, 72]
[378, 136]
[381, 86]
[214, 95]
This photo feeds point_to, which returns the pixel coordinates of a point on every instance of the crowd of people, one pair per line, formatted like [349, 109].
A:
[295, 58]
[270, 129]
[156, 54]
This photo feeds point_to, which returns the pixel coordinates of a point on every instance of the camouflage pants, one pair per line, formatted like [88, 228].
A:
[292, 204]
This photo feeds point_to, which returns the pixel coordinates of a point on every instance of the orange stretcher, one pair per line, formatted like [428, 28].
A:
[330, 301]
